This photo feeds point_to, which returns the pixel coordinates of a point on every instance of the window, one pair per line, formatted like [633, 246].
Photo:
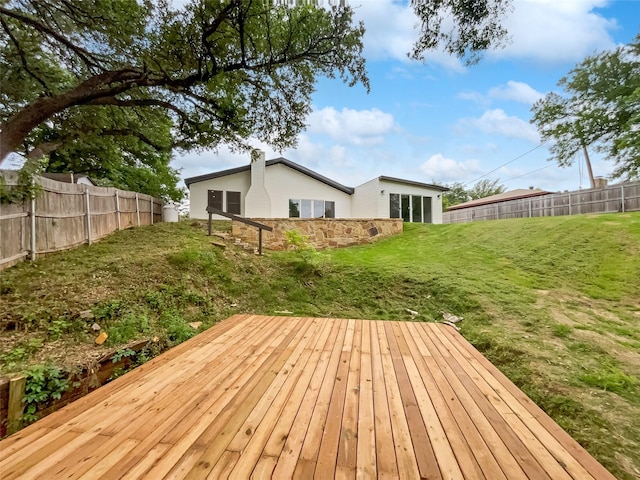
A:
[329, 209]
[394, 205]
[416, 208]
[233, 202]
[406, 214]
[311, 208]
[214, 199]
[426, 209]
[411, 208]
[294, 208]
[305, 209]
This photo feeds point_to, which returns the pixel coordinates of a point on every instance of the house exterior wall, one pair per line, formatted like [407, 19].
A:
[284, 183]
[366, 200]
[238, 182]
[401, 188]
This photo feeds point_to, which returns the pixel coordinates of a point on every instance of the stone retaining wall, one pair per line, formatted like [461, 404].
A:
[322, 232]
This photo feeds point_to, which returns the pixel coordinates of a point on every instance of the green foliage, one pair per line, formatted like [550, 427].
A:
[176, 328]
[310, 258]
[122, 353]
[25, 188]
[455, 195]
[44, 383]
[457, 192]
[58, 327]
[486, 188]
[561, 330]
[611, 378]
[132, 325]
[124, 84]
[123, 148]
[599, 108]
[459, 27]
[18, 355]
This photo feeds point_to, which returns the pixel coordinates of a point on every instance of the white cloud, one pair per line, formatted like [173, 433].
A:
[516, 91]
[552, 31]
[391, 32]
[513, 91]
[476, 97]
[496, 121]
[546, 31]
[355, 127]
[447, 170]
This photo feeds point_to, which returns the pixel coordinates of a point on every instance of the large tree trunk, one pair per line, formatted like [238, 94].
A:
[107, 84]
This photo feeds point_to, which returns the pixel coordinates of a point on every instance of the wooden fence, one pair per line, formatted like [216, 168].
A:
[66, 215]
[623, 197]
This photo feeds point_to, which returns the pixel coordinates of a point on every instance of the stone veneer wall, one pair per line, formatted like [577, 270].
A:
[322, 232]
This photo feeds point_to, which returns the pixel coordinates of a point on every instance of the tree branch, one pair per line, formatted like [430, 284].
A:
[87, 57]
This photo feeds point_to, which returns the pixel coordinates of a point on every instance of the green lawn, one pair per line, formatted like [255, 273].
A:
[553, 302]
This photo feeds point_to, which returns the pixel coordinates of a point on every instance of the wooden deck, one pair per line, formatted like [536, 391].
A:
[282, 397]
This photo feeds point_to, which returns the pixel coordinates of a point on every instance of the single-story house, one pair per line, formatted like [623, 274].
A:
[280, 188]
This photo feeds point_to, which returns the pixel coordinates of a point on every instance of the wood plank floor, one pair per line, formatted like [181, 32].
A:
[283, 397]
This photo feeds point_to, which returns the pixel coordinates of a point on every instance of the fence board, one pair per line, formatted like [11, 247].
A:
[60, 217]
[624, 197]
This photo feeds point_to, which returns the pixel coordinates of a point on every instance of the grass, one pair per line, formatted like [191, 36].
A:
[553, 302]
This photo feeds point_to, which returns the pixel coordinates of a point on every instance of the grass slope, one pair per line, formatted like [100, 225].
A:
[553, 302]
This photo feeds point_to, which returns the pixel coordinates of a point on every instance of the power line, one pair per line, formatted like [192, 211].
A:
[507, 163]
[529, 173]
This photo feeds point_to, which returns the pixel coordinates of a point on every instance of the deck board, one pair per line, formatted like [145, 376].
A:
[287, 397]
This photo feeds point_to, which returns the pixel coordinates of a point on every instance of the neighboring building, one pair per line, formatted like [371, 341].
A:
[500, 197]
[78, 178]
[280, 188]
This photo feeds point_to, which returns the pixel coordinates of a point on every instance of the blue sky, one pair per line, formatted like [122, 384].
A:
[444, 122]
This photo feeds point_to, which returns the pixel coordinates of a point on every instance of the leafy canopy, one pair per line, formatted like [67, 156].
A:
[457, 192]
[126, 83]
[599, 107]
[464, 28]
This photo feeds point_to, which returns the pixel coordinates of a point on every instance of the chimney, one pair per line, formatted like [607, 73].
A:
[257, 203]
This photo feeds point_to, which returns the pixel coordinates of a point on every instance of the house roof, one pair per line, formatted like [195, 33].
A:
[411, 182]
[268, 163]
[308, 172]
[500, 197]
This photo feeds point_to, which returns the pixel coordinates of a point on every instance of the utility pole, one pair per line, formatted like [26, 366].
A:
[586, 157]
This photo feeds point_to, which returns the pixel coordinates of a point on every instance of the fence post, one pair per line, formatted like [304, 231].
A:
[138, 208]
[151, 201]
[33, 227]
[15, 406]
[570, 203]
[622, 195]
[87, 202]
[118, 211]
[529, 208]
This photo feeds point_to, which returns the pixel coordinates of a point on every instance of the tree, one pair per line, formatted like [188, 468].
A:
[598, 108]
[486, 188]
[457, 192]
[455, 195]
[218, 71]
[125, 148]
[464, 28]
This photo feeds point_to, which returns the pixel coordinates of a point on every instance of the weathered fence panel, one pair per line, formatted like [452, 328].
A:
[624, 197]
[66, 215]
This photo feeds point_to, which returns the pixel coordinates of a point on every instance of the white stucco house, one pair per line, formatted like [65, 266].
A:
[280, 188]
